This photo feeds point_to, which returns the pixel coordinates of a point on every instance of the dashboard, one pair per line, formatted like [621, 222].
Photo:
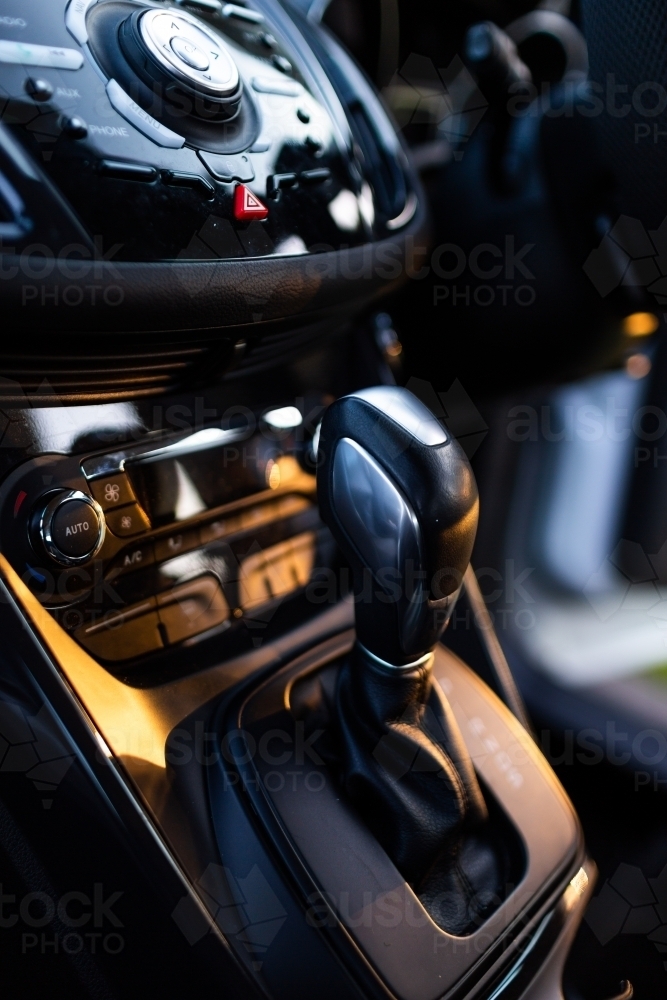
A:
[221, 169]
[122, 102]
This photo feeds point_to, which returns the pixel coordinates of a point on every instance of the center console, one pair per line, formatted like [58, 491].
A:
[235, 620]
[357, 797]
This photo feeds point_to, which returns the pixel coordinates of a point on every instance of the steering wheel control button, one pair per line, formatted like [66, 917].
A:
[39, 90]
[228, 168]
[123, 171]
[127, 521]
[247, 206]
[112, 491]
[141, 120]
[75, 19]
[177, 53]
[242, 13]
[74, 127]
[71, 527]
[23, 54]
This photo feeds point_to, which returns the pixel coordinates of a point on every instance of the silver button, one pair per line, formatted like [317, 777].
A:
[75, 19]
[190, 51]
[190, 54]
[141, 120]
[23, 54]
[242, 13]
[274, 85]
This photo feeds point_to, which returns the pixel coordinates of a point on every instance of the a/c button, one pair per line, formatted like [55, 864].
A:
[137, 557]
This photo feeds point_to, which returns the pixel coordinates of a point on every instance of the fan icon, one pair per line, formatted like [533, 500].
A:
[112, 492]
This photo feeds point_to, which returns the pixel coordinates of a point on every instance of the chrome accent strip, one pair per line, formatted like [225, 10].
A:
[423, 661]
[378, 521]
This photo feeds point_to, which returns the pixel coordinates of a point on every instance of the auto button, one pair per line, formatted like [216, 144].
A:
[70, 527]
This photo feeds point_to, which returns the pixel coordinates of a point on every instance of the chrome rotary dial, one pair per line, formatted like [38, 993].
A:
[190, 53]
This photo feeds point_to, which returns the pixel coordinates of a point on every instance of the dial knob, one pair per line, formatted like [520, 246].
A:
[180, 56]
[70, 526]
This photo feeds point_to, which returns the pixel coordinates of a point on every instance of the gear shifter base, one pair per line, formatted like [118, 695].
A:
[407, 770]
[286, 765]
[404, 764]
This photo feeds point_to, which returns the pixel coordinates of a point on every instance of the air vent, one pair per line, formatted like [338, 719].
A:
[265, 351]
[71, 372]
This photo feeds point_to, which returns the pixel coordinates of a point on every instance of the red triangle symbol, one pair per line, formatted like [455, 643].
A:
[247, 205]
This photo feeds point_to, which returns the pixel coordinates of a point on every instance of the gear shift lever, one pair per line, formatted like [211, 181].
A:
[400, 498]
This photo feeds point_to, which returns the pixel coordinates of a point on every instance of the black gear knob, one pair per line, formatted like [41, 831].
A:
[400, 498]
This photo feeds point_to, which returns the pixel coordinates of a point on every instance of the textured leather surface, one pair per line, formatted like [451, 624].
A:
[468, 883]
[406, 768]
[204, 294]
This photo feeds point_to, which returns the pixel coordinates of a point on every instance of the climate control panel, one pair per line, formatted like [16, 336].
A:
[166, 543]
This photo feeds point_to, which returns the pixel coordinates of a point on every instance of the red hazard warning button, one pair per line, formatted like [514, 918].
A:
[247, 205]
